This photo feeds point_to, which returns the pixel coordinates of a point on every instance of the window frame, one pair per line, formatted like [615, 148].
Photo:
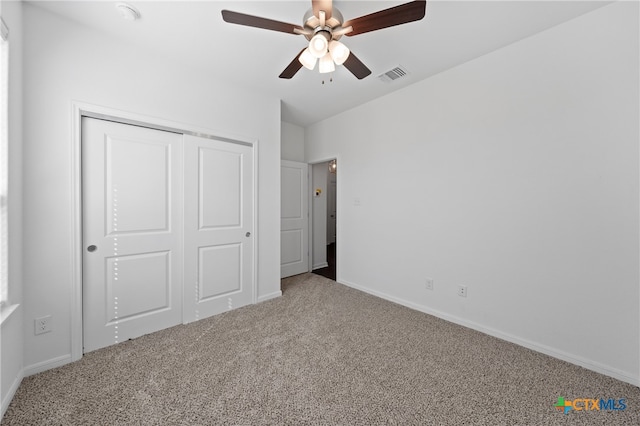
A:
[4, 165]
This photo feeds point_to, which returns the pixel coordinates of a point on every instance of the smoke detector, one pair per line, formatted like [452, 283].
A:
[128, 12]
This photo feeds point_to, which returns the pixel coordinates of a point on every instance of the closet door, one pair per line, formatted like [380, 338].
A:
[218, 233]
[132, 231]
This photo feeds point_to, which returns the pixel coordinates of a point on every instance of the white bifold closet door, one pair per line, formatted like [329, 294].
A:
[167, 229]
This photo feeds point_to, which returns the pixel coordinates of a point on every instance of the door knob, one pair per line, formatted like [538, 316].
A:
[92, 248]
[248, 234]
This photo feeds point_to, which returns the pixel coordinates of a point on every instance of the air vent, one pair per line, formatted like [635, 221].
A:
[394, 74]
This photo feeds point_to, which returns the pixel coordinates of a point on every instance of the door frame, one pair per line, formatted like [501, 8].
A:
[82, 109]
[338, 213]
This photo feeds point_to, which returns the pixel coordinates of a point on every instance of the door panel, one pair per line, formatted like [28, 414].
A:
[132, 204]
[126, 181]
[293, 247]
[220, 178]
[137, 285]
[220, 270]
[294, 221]
[218, 243]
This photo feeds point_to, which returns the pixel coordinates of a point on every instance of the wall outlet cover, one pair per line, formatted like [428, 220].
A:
[428, 284]
[42, 325]
[462, 290]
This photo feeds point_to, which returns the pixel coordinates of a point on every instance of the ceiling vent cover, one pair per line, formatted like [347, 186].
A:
[394, 74]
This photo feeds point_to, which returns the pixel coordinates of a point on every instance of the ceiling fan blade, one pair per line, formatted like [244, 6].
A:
[356, 67]
[326, 5]
[402, 14]
[258, 22]
[293, 67]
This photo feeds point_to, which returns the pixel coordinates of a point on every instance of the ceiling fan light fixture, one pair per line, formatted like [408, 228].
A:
[326, 64]
[339, 52]
[318, 45]
[307, 59]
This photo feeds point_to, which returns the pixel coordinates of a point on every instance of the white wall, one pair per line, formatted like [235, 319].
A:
[319, 215]
[63, 62]
[11, 340]
[515, 174]
[292, 142]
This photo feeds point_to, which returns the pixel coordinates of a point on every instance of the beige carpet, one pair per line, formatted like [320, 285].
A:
[322, 354]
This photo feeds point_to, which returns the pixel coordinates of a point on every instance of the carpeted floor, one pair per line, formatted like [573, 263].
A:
[322, 354]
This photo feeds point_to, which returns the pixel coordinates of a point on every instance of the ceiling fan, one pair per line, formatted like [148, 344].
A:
[323, 25]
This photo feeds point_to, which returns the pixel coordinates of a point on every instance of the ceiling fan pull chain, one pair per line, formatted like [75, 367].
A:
[330, 78]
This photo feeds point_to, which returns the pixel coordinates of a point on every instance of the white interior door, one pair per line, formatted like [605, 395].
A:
[294, 219]
[219, 240]
[132, 231]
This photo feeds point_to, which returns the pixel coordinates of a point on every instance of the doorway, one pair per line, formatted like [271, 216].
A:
[324, 235]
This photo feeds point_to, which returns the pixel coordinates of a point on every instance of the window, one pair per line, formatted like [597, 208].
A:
[4, 150]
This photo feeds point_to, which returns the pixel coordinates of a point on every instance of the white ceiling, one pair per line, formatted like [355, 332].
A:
[453, 32]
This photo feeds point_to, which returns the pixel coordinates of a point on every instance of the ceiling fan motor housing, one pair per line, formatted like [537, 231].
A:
[312, 22]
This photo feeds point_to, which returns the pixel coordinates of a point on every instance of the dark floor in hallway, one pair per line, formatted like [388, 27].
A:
[329, 271]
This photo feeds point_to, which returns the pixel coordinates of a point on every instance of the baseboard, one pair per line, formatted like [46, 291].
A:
[269, 296]
[547, 350]
[47, 365]
[320, 266]
[11, 393]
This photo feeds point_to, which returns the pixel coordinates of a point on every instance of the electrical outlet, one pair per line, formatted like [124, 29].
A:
[42, 325]
[462, 290]
[428, 284]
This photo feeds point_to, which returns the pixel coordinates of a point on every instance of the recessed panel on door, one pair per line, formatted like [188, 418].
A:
[220, 270]
[220, 183]
[291, 184]
[137, 185]
[138, 285]
[291, 246]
